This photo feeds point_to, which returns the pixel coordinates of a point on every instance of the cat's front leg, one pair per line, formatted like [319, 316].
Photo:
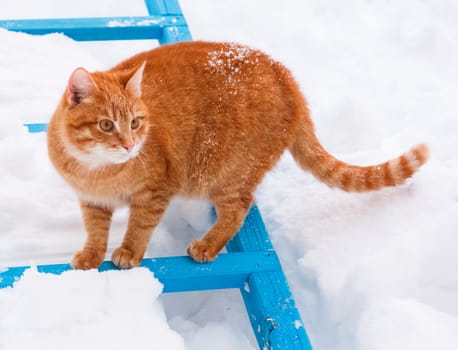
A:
[97, 223]
[146, 209]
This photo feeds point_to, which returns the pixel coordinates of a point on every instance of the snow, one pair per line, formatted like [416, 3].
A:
[85, 309]
[368, 271]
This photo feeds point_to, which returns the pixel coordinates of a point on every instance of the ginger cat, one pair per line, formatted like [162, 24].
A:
[195, 119]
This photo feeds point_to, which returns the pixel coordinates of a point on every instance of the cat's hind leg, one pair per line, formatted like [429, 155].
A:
[231, 211]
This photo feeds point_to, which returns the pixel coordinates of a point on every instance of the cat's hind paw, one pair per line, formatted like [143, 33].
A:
[202, 252]
[124, 258]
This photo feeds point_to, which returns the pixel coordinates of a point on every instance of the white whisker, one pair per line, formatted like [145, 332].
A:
[140, 154]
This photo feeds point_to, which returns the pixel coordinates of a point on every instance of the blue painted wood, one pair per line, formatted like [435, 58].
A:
[179, 273]
[36, 127]
[174, 34]
[269, 302]
[272, 312]
[163, 7]
[93, 29]
[254, 237]
[156, 7]
[251, 264]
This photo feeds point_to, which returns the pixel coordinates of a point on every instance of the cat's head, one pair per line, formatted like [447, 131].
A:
[104, 117]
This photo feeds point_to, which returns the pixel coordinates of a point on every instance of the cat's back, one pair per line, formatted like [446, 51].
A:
[166, 54]
[196, 53]
[217, 64]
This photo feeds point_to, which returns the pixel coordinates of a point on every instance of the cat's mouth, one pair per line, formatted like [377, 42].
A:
[99, 156]
[114, 155]
[120, 155]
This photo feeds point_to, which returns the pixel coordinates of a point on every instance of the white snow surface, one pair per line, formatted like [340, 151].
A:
[368, 271]
[85, 310]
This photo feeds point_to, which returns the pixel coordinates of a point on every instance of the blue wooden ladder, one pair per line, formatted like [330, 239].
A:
[251, 263]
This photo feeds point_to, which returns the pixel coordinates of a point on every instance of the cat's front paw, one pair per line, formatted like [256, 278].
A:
[87, 259]
[202, 252]
[124, 258]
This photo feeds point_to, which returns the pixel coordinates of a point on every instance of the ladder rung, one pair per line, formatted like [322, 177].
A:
[180, 273]
[98, 28]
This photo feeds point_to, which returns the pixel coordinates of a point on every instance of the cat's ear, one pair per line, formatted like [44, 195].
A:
[80, 85]
[134, 85]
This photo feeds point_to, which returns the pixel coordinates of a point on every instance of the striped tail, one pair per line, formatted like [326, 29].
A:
[308, 152]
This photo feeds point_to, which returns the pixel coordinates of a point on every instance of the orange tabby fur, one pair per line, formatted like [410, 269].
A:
[195, 119]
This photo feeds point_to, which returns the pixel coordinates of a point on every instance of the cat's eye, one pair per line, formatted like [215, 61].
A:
[135, 123]
[106, 125]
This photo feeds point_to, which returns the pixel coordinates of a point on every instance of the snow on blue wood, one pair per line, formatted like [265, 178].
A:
[251, 263]
[93, 29]
[165, 23]
[174, 34]
[179, 273]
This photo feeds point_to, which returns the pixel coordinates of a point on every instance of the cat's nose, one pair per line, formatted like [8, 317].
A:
[128, 147]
